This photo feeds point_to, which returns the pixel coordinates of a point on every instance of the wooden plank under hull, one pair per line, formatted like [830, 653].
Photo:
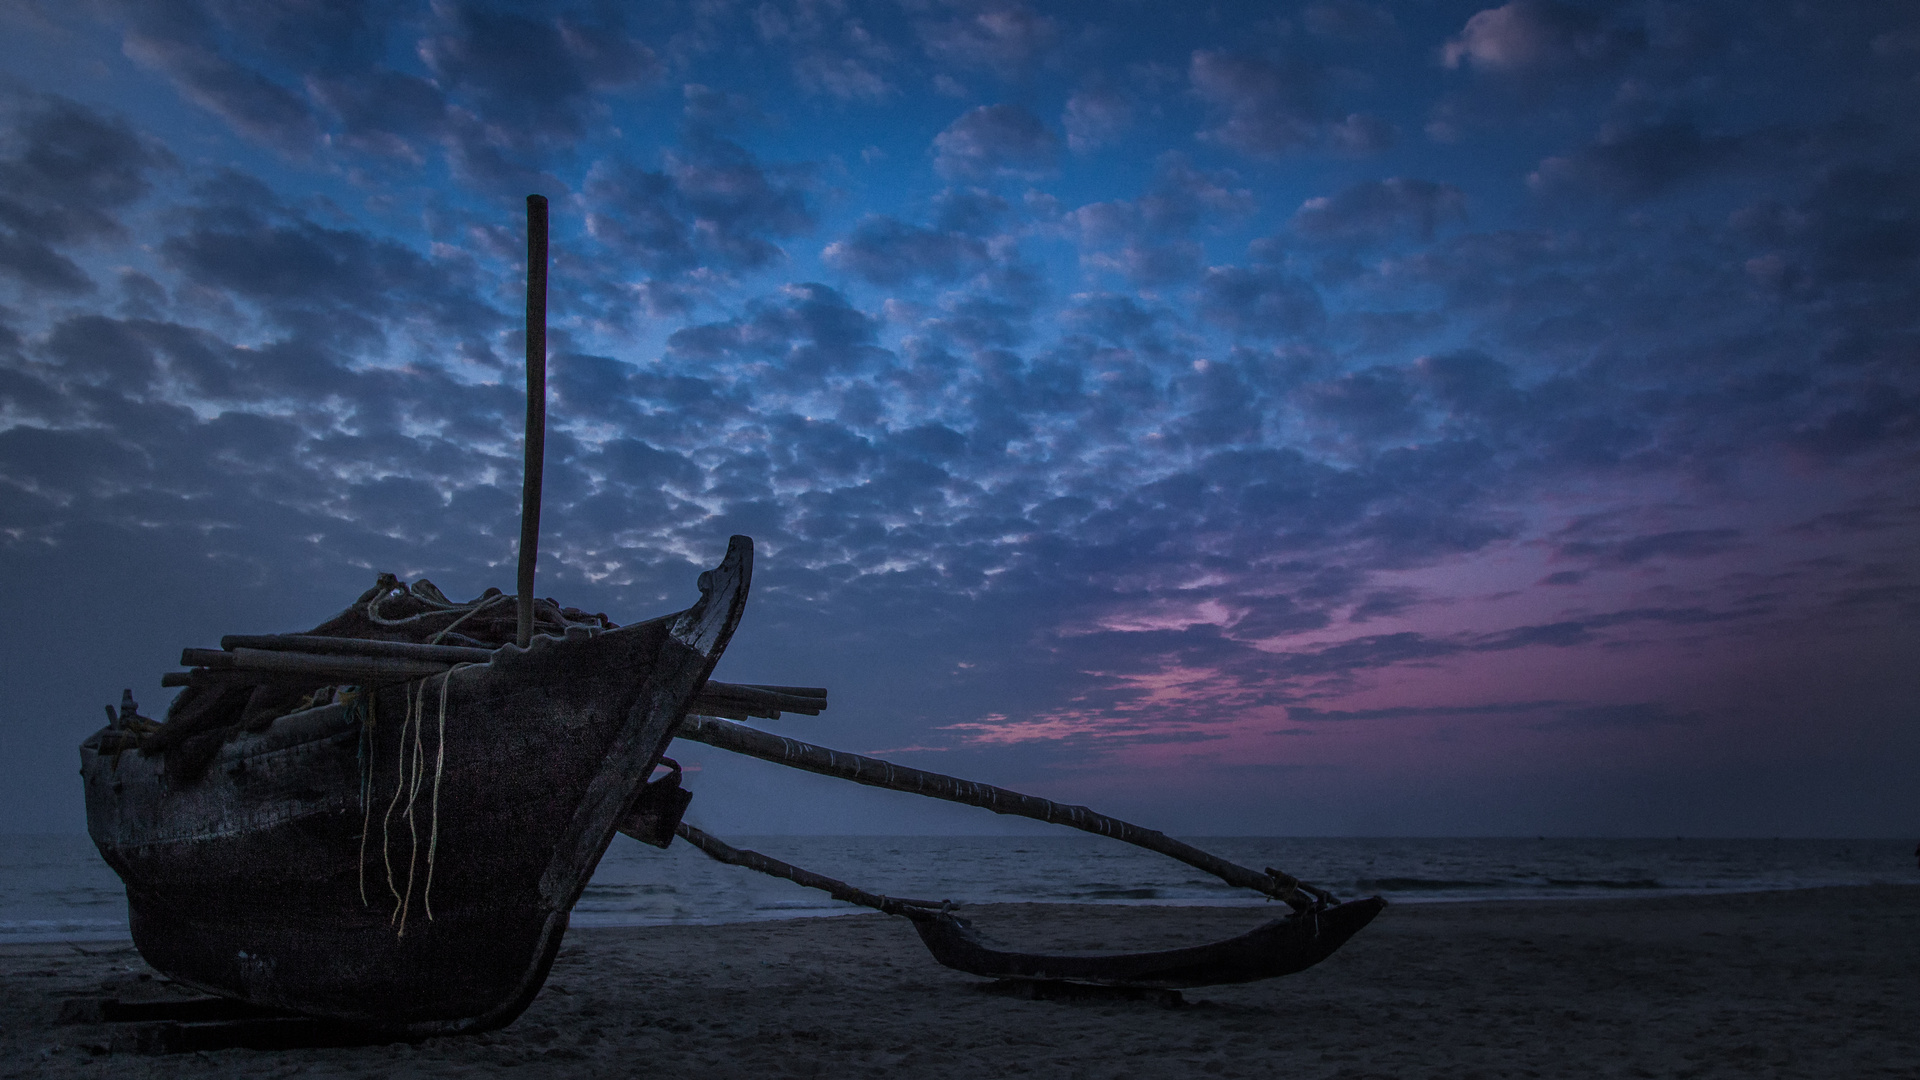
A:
[248, 881]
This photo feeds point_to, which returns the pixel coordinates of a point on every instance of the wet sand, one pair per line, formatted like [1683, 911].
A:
[1816, 983]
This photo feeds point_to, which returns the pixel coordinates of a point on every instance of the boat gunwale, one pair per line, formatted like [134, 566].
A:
[246, 744]
[325, 726]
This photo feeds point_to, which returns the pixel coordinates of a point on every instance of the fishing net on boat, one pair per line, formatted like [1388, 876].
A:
[421, 613]
[202, 718]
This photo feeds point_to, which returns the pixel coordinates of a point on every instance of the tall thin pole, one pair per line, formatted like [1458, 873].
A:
[536, 407]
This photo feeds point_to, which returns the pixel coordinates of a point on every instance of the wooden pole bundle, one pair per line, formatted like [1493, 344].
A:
[737, 702]
[317, 660]
[873, 772]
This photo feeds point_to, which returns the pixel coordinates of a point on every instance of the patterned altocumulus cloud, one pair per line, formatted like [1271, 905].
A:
[1495, 401]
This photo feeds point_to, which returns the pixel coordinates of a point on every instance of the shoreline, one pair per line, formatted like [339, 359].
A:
[1808, 982]
[1250, 904]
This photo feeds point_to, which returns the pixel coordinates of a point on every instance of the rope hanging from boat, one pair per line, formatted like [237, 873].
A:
[409, 777]
[439, 766]
[413, 796]
[874, 772]
[365, 698]
[386, 821]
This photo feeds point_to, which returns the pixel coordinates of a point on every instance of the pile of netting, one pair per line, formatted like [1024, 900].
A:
[392, 611]
[202, 718]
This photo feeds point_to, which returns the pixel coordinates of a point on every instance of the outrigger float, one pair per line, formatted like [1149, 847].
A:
[385, 821]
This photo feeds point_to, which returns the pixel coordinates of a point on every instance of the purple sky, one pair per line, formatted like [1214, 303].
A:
[1261, 419]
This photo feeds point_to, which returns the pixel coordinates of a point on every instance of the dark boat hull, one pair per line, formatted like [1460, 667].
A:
[254, 880]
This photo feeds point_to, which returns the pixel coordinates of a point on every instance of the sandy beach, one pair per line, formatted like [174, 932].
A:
[1814, 983]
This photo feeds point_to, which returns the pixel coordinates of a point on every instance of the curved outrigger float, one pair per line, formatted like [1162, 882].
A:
[385, 821]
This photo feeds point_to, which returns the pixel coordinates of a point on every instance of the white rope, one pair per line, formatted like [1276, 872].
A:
[439, 763]
[386, 820]
[413, 795]
[373, 609]
[477, 609]
[366, 788]
[440, 609]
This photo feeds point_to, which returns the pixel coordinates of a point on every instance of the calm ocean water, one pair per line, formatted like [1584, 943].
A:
[57, 888]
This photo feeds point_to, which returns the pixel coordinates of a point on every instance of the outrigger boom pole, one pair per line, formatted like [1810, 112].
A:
[873, 772]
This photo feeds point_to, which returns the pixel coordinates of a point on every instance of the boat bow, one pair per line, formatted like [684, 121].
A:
[406, 859]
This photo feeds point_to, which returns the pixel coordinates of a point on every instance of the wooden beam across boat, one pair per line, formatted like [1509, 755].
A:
[344, 669]
[738, 702]
[796, 691]
[344, 646]
[207, 677]
[318, 661]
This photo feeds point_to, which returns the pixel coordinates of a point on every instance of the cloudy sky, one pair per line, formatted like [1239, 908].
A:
[1424, 418]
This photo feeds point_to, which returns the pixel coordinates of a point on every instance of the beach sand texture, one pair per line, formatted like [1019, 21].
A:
[1814, 983]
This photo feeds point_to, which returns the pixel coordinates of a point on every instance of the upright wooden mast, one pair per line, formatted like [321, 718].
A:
[536, 434]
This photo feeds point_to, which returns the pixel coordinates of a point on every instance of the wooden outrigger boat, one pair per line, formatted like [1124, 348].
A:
[405, 859]
[387, 820]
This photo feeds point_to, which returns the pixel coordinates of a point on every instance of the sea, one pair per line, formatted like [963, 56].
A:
[56, 888]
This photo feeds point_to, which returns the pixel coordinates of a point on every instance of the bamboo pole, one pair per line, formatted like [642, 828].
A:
[345, 668]
[536, 433]
[874, 772]
[720, 851]
[344, 646]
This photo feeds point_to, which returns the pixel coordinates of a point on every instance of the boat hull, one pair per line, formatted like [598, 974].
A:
[414, 874]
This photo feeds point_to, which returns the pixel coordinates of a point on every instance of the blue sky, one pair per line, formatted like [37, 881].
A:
[1327, 418]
